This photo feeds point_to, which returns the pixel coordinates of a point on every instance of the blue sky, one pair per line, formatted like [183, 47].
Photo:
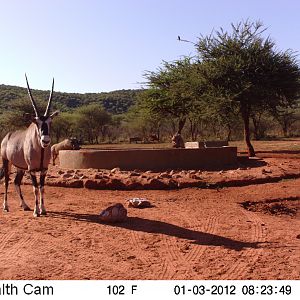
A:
[105, 45]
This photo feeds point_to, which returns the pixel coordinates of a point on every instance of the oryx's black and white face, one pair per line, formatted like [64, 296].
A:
[43, 122]
[43, 126]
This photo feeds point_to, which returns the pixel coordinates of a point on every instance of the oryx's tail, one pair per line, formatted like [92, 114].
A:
[4, 166]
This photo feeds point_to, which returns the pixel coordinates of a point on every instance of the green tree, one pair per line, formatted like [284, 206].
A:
[174, 90]
[92, 121]
[245, 67]
[286, 117]
[62, 126]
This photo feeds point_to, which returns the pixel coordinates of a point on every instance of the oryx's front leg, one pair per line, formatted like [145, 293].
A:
[42, 183]
[36, 212]
[18, 180]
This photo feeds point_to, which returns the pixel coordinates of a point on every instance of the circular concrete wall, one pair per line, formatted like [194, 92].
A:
[149, 159]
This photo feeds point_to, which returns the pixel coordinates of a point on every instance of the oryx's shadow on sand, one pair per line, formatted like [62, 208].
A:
[159, 227]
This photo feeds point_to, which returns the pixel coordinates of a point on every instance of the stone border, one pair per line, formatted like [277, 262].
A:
[164, 182]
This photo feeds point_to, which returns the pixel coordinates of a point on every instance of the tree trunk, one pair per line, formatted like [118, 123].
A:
[255, 128]
[228, 132]
[158, 134]
[246, 118]
[285, 128]
[193, 130]
[181, 125]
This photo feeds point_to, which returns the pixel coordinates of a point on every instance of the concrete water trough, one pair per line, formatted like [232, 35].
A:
[149, 159]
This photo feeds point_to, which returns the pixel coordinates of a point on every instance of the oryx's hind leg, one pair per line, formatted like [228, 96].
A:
[36, 212]
[42, 183]
[54, 156]
[18, 180]
[6, 182]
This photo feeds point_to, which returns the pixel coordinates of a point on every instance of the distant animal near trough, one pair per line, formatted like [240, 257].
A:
[154, 138]
[67, 144]
[29, 150]
[135, 139]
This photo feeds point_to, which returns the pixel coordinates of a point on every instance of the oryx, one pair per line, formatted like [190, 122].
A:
[29, 150]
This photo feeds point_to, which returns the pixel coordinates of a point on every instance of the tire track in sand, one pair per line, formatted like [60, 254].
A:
[249, 255]
[135, 238]
[174, 260]
[167, 269]
[198, 250]
[178, 261]
[11, 250]
[4, 239]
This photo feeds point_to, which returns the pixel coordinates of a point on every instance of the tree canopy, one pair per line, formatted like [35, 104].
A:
[174, 90]
[234, 72]
[245, 67]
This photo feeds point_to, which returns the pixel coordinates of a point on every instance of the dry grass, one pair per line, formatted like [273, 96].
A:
[280, 145]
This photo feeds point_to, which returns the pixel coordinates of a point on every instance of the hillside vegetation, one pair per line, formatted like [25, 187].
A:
[116, 102]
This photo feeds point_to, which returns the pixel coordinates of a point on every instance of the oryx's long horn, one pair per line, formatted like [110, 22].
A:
[49, 101]
[31, 98]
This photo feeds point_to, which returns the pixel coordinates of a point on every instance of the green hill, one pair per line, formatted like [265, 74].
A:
[115, 102]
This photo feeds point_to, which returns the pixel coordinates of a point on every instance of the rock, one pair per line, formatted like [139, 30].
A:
[114, 213]
[66, 183]
[134, 174]
[176, 176]
[155, 184]
[139, 203]
[66, 175]
[75, 183]
[115, 170]
[172, 184]
[264, 171]
[143, 176]
[48, 176]
[132, 184]
[165, 175]
[116, 184]
[195, 176]
[189, 184]
[95, 184]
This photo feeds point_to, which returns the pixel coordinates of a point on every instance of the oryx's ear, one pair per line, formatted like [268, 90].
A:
[54, 114]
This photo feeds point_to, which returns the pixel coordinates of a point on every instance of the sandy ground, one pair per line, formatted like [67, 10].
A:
[245, 232]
